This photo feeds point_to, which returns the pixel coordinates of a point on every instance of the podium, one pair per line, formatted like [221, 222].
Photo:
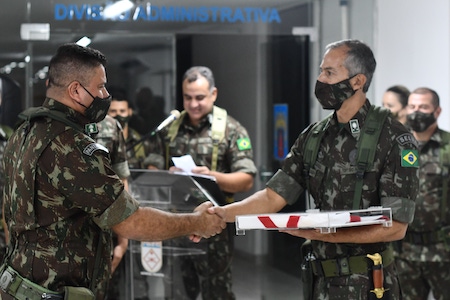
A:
[155, 268]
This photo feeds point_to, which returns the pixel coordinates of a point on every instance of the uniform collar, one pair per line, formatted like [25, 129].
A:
[205, 121]
[437, 136]
[70, 113]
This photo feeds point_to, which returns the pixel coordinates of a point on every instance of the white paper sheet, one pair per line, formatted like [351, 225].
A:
[185, 163]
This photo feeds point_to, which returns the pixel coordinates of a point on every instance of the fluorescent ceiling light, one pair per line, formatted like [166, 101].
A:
[84, 41]
[114, 10]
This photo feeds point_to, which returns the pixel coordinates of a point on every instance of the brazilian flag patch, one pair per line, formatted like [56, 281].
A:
[244, 144]
[410, 158]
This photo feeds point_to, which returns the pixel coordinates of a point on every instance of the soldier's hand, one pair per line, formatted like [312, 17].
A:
[210, 223]
[201, 170]
[175, 169]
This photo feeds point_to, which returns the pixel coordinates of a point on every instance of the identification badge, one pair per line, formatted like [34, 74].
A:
[354, 126]
[91, 128]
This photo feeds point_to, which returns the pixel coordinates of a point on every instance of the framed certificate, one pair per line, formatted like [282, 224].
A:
[327, 222]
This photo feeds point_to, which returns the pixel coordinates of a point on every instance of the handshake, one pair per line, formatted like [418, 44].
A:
[211, 220]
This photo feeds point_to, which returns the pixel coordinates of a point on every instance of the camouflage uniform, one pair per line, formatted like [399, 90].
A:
[110, 135]
[216, 272]
[137, 154]
[61, 199]
[425, 264]
[331, 184]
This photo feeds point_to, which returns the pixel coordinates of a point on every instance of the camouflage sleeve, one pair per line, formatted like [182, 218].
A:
[81, 174]
[122, 208]
[399, 183]
[285, 186]
[288, 182]
[240, 152]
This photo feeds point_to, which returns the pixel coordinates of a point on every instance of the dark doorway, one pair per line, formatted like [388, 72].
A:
[288, 83]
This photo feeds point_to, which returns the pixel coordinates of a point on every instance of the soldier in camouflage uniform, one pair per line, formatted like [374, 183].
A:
[395, 98]
[341, 268]
[424, 261]
[62, 199]
[137, 149]
[234, 173]
[111, 136]
[120, 112]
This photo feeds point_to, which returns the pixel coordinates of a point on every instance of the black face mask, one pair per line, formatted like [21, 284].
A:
[331, 96]
[97, 111]
[419, 121]
[122, 120]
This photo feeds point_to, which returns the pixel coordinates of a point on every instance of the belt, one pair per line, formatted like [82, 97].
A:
[23, 289]
[343, 266]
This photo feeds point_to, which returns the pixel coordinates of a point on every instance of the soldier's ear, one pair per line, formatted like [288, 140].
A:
[214, 93]
[72, 90]
[358, 81]
[437, 112]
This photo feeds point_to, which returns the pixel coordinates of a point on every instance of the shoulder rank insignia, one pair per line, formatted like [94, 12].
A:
[406, 138]
[244, 144]
[91, 148]
[410, 158]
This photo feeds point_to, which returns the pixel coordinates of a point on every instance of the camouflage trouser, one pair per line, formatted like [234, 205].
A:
[356, 286]
[418, 278]
[212, 275]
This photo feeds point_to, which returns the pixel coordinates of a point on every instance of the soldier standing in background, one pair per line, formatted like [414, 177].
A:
[109, 134]
[395, 99]
[220, 147]
[424, 259]
[121, 112]
[137, 149]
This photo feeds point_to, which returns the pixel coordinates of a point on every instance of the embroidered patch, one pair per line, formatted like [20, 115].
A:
[410, 158]
[91, 128]
[406, 138]
[244, 144]
[354, 126]
[91, 148]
